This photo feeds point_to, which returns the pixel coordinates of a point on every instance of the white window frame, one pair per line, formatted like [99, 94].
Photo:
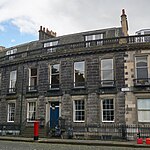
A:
[82, 71]
[10, 52]
[142, 110]
[49, 44]
[141, 67]
[74, 111]
[33, 77]
[11, 111]
[12, 80]
[31, 111]
[93, 37]
[108, 109]
[53, 74]
[109, 69]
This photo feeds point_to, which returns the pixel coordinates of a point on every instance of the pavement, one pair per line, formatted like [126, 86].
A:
[130, 144]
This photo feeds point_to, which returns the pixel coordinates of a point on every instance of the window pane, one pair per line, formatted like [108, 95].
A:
[79, 66]
[79, 77]
[144, 116]
[55, 69]
[89, 37]
[33, 81]
[13, 75]
[144, 104]
[107, 75]
[141, 61]
[98, 36]
[34, 72]
[79, 73]
[106, 64]
[51, 43]
[142, 73]
[108, 110]
[11, 111]
[141, 67]
[79, 111]
[54, 76]
[31, 111]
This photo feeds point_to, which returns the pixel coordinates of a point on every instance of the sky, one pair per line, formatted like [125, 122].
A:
[20, 20]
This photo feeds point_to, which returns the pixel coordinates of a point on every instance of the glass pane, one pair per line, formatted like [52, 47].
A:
[79, 77]
[79, 110]
[106, 64]
[13, 75]
[144, 116]
[55, 69]
[79, 66]
[33, 81]
[141, 61]
[144, 104]
[55, 79]
[79, 73]
[107, 75]
[54, 43]
[89, 37]
[98, 36]
[34, 72]
[142, 73]
[108, 110]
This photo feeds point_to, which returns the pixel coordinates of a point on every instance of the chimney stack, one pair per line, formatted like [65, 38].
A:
[124, 23]
[2, 48]
[46, 34]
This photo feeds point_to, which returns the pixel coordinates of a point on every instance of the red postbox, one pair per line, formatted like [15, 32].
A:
[139, 141]
[36, 130]
[147, 140]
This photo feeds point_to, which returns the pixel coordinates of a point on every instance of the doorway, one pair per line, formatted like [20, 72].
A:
[54, 114]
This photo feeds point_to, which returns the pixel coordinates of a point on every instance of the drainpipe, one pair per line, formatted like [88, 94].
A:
[21, 99]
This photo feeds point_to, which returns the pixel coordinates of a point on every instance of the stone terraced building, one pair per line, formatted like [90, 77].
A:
[84, 79]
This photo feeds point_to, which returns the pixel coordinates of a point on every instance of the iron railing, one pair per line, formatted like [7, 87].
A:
[112, 131]
[140, 82]
[11, 90]
[32, 88]
[9, 129]
[107, 83]
[83, 44]
[54, 87]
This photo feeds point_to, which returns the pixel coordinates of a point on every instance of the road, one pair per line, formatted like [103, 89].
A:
[9, 145]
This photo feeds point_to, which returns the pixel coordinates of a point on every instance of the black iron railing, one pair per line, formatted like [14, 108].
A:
[112, 131]
[32, 88]
[9, 129]
[107, 83]
[54, 87]
[11, 90]
[142, 82]
[79, 85]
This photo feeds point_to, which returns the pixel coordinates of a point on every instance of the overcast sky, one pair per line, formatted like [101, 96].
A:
[20, 20]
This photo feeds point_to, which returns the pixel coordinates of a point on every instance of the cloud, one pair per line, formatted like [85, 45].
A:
[26, 25]
[68, 16]
[13, 40]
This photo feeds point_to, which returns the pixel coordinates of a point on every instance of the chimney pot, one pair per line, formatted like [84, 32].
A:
[40, 28]
[123, 12]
